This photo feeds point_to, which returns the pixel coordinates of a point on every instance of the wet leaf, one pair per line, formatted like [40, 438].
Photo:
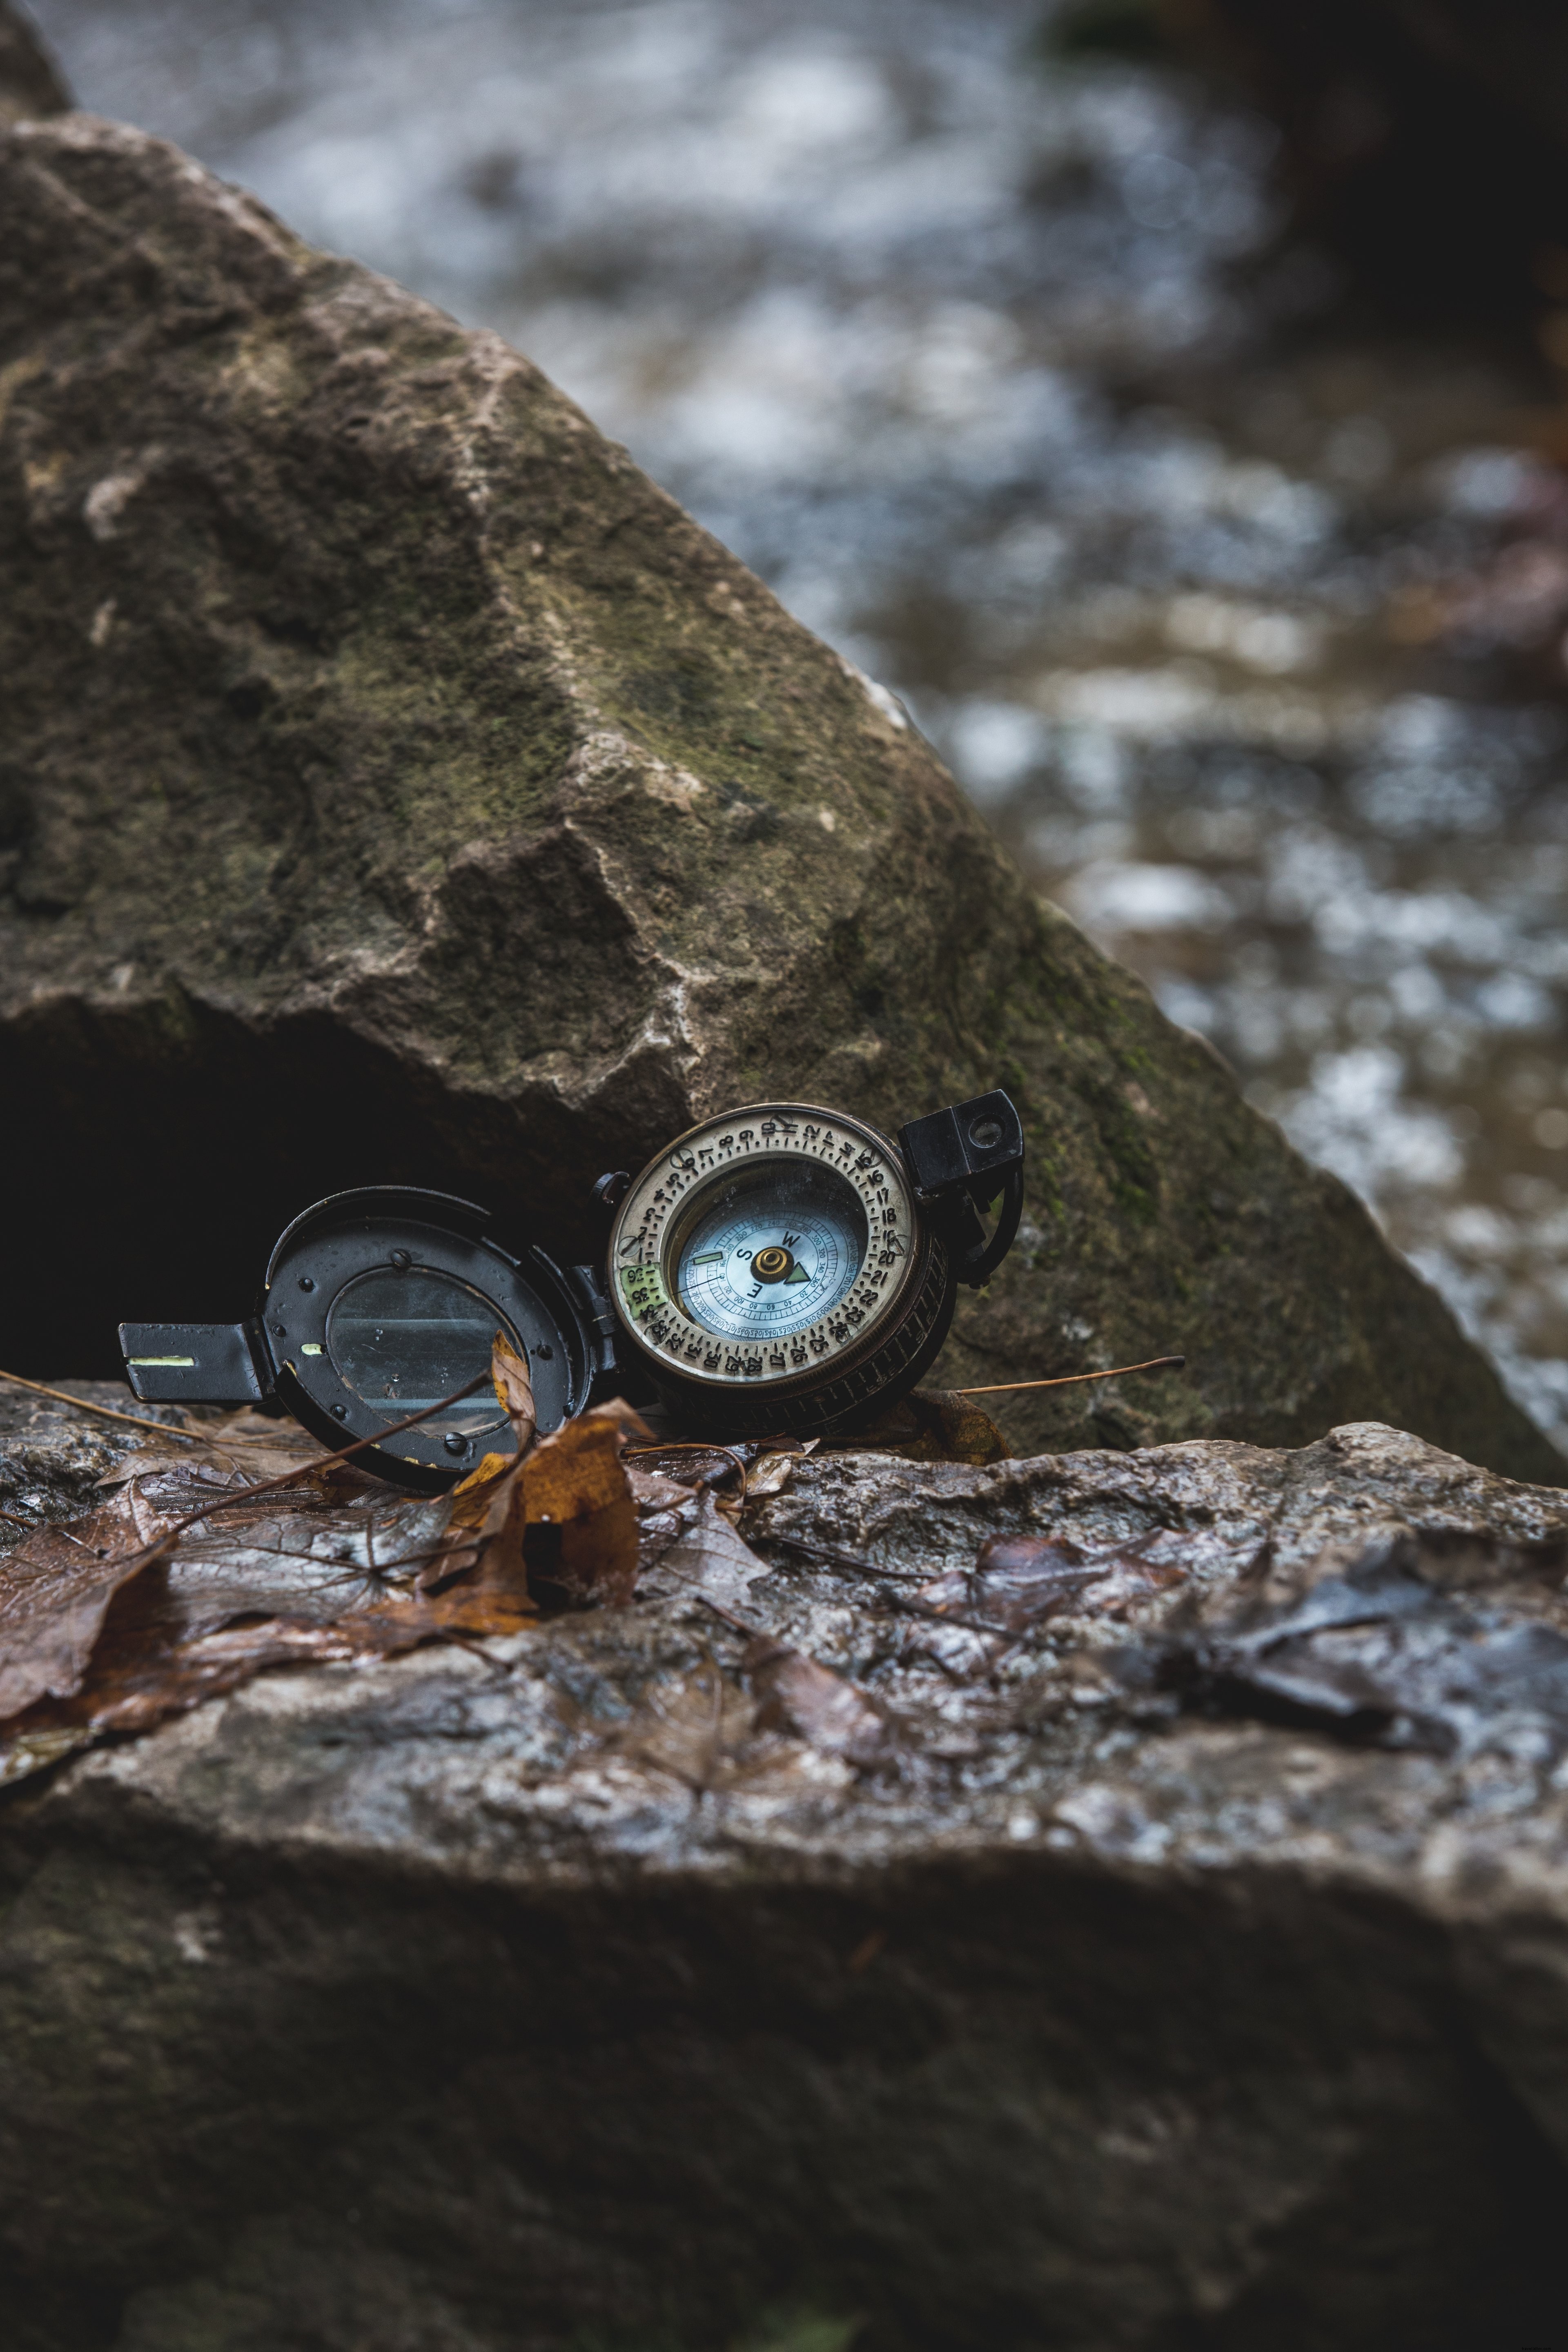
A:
[698, 1729]
[937, 1425]
[1390, 1650]
[215, 1583]
[294, 1577]
[653, 1491]
[514, 1390]
[770, 1475]
[712, 1558]
[797, 1694]
[1021, 1581]
[55, 1587]
[246, 1444]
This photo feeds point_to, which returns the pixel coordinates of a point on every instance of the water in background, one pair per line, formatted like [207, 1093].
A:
[1243, 626]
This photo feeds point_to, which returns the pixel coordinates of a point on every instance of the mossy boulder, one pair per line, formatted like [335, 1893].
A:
[396, 784]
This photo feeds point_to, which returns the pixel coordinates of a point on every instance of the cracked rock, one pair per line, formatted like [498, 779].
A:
[1060, 1988]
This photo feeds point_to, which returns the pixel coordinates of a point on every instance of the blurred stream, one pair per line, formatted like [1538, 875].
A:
[1243, 624]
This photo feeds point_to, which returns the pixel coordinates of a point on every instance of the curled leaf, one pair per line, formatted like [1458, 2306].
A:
[55, 1587]
[580, 1521]
[559, 1519]
[514, 1390]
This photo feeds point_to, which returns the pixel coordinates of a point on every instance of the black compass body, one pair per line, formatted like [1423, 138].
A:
[376, 1305]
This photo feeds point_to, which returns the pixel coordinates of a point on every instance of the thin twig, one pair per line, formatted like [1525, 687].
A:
[1071, 1379]
[844, 1563]
[104, 1412]
[843, 1560]
[736, 1624]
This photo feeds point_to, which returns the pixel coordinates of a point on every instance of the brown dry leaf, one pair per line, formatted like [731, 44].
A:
[560, 1518]
[55, 1587]
[581, 1523]
[514, 1390]
[937, 1425]
[797, 1694]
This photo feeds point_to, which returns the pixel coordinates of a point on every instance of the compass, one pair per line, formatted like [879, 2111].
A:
[783, 1268]
[791, 1268]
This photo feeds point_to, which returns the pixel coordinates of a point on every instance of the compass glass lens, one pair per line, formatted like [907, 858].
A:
[404, 1341]
[770, 1250]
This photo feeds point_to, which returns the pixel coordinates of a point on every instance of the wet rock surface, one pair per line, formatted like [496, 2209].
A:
[982, 1911]
[398, 786]
[51, 1457]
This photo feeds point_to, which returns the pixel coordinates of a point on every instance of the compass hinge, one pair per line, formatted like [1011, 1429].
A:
[599, 1317]
[961, 1159]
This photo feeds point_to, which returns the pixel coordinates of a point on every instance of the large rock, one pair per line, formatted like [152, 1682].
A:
[29, 85]
[396, 785]
[1192, 1973]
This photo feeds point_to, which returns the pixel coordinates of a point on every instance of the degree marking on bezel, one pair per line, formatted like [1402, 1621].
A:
[661, 1325]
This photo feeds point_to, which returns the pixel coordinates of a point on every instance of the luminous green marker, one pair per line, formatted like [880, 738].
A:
[709, 1257]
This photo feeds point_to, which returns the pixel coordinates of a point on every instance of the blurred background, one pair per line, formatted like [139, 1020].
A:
[1162, 400]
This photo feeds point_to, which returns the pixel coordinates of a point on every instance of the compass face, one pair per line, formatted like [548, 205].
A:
[776, 1251]
[764, 1246]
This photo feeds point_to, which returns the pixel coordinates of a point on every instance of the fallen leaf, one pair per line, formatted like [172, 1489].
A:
[247, 1444]
[698, 1729]
[937, 1425]
[295, 1577]
[770, 1475]
[1019, 1582]
[581, 1523]
[514, 1390]
[559, 1520]
[55, 1587]
[797, 1694]
[653, 1491]
[712, 1559]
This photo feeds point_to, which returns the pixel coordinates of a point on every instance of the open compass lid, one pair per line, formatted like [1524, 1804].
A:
[377, 1303]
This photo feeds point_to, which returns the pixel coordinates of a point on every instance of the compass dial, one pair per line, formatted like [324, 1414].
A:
[764, 1248]
[776, 1252]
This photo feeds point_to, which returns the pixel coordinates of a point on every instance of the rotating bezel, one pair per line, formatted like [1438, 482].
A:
[669, 1196]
